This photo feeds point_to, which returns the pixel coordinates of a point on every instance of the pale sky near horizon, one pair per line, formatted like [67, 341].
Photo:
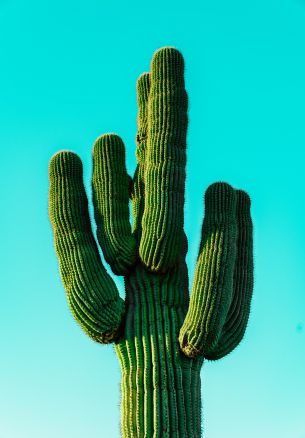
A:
[68, 74]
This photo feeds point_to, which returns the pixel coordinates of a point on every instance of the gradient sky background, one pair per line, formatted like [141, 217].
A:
[68, 74]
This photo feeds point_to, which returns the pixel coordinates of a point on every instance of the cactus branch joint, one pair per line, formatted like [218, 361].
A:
[161, 332]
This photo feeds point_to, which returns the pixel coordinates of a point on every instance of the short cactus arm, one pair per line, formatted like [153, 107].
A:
[165, 159]
[92, 294]
[212, 289]
[238, 315]
[110, 187]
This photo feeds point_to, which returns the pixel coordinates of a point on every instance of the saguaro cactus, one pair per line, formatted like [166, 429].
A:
[161, 336]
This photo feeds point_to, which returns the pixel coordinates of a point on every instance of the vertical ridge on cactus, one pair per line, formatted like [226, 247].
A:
[161, 334]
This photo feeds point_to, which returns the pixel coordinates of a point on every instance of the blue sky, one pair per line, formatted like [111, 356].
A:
[68, 74]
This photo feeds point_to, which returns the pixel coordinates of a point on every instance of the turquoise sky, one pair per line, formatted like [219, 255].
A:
[68, 73]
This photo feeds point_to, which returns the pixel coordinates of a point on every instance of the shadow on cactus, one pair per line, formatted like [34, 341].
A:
[160, 334]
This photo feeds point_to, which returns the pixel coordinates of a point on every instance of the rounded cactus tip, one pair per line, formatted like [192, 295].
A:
[143, 84]
[219, 188]
[168, 51]
[167, 61]
[143, 78]
[111, 140]
[220, 197]
[243, 200]
[65, 163]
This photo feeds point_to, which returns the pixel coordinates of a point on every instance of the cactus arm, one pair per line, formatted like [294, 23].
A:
[212, 289]
[92, 294]
[238, 315]
[137, 190]
[165, 159]
[110, 188]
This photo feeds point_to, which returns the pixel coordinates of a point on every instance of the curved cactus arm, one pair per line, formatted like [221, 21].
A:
[92, 294]
[212, 289]
[165, 159]
[110, 188]
[238, 315]
[137, 189]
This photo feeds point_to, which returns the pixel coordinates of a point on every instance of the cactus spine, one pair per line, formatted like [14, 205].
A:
[161, 336]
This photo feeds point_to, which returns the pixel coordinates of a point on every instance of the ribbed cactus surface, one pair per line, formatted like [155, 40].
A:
[160, 333]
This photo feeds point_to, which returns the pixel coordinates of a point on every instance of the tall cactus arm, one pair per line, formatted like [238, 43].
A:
[110, 188]
[238, 315]
[212, 289]
[92, 294]
[137, 192]
[165, 159]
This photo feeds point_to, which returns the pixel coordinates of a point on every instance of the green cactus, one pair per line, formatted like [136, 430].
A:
[161, 336]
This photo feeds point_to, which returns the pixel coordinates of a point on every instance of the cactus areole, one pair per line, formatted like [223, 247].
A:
[160, 332]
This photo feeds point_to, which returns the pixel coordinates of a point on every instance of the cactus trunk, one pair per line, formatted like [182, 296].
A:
[160, 386]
